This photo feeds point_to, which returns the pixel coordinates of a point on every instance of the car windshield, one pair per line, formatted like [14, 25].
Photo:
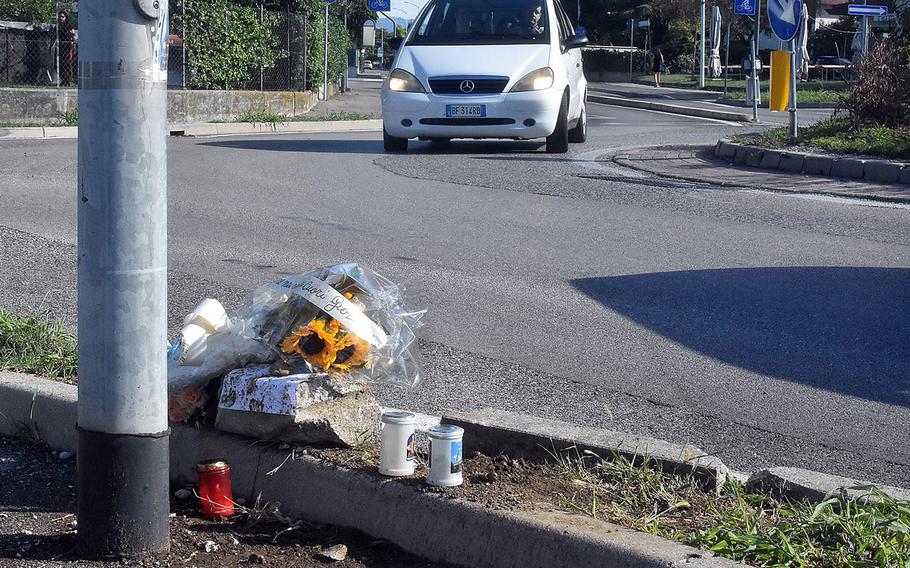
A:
[482, 22]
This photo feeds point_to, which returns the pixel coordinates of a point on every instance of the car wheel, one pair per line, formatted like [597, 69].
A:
[580, 133]
[558, 142]
[393, 143]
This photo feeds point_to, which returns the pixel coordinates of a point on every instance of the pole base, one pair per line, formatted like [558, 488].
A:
[123, 494]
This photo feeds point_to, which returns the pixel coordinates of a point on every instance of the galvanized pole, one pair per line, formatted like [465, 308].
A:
[122, 469]
[183, 41]
[325, 66]
[57, 44]
[631, 46]
[261, 68]
[701, 50]
[792, 109]
[344, 76]
[726, 59]
[305, 49]
[756, 84]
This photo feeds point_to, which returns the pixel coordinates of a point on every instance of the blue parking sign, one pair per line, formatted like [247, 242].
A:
[380, 5]
[744, 7]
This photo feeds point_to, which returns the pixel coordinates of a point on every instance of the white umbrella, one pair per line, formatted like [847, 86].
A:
[802, 52]
[714, 60]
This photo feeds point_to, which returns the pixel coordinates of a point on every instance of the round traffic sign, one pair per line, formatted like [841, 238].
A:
[784, 16]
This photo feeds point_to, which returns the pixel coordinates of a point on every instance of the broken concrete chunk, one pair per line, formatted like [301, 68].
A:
[311, 408]
[337, 552]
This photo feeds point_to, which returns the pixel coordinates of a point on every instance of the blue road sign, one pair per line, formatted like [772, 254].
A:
[784, 16]
[744, 7]
[380, 5]
[328, 1]
[866, 10]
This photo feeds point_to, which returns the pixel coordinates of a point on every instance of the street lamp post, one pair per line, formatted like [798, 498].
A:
[701, 50]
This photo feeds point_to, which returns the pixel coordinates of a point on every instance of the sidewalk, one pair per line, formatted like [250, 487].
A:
[698, 164]
[704, 100]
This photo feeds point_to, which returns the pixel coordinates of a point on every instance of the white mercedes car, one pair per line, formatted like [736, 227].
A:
[487, 69]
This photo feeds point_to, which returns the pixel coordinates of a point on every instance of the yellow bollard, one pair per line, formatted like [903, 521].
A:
[780, 81]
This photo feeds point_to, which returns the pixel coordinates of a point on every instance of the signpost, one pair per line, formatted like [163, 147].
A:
[750, 8]
[866, 11]
[745, 8]
[380, 5]
[785, 17]
[325, 62]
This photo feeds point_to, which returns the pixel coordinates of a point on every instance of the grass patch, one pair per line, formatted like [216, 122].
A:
[754, 528]
[41, 348]
[838, 136]
[330, 116]
[262, 117]
[806, 91]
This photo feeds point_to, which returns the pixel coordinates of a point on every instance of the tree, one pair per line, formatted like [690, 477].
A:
[31, 10]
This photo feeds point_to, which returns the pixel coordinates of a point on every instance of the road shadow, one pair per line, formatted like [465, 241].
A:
[843, 329]
[321, 146]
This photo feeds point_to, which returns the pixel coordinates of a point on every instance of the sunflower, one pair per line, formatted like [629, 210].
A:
[322, 343]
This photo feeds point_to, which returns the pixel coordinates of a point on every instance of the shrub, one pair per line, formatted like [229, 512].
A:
[879, 94]
[684, 63]
[608, 60]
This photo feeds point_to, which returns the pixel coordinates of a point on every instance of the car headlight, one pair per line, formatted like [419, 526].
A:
[401, 80]
[535, 81]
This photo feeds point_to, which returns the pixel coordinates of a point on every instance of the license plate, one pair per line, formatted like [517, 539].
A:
[464, 111]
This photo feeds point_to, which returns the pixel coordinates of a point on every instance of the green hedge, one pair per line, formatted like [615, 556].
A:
[313, 11]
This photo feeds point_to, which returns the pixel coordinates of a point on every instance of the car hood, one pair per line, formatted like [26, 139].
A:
[513, 61]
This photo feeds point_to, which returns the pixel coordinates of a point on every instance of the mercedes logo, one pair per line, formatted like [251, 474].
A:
[467, 86]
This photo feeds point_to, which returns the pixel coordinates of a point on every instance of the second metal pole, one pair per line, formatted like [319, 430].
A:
[792, 110]
[701, 50]
[325, 67]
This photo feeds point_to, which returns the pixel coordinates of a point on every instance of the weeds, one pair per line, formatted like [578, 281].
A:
[71, 116]
[838, 135]
[755, 528]
[262, 117]
[42, 348]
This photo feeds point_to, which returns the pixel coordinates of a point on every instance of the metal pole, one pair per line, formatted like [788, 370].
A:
[344, 76]
[726, 59]
[261, 68]
[325, 67]
[57, 44]
[756, 84]
[122, 468]
[306, 48]
[792, 109]
[631, 46]
[577, 12]
[701, 50]
[183, 42]
[287, 24]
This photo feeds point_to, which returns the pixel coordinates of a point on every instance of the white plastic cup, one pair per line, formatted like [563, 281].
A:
[396, 453]
[209, 314]
[446, 456]
[194, 338]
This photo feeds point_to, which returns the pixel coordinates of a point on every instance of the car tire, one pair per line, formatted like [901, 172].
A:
[580, 133]
[558, 142]
[393, 143]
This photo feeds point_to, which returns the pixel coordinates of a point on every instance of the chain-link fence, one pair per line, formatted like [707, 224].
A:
[46, 53]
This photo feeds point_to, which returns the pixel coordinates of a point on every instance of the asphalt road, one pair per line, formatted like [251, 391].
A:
[769, 329]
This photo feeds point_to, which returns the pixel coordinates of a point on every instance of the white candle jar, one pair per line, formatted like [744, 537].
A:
[396, 454]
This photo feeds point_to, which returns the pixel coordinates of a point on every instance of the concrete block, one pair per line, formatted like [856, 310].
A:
[312, 408]
[790, 162]
[741, 156]
[770, 160]
[32, 405]
[754, 157]
[495, 432]
[817, 165]
[798, 484]
[725, 150]
[881, 171]
[850, 168]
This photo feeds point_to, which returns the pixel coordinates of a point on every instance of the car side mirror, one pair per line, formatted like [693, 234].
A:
[575, 42]
[395, 42]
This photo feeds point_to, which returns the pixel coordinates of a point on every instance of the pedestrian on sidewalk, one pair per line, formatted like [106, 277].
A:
[66, 47]
[658, 67]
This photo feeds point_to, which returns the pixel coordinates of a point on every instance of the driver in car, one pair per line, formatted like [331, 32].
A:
[529, 24]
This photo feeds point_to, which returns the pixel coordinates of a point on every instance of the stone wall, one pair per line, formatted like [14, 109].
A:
[46, 106]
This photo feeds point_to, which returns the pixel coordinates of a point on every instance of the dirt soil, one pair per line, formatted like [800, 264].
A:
[499, 482]
[38, 527]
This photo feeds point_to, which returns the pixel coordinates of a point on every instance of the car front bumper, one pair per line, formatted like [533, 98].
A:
[523, 115]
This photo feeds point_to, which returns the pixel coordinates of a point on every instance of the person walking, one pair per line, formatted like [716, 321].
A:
[658, 66]
[66, 48]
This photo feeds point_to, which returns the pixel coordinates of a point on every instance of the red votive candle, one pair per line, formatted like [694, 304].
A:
[215, 496]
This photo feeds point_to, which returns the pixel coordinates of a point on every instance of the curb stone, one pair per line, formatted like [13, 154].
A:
[672, 109]
[770, 160]
[424, 523]
[460, 532]
[876, 171]
[495, 432]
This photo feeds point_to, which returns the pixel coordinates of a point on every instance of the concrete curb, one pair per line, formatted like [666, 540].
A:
[736, 102]
[671, 108]
[874, 171]
[495, 432]
[424, 523]
[208, 129]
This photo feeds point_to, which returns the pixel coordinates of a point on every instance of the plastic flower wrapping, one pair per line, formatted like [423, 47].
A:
[344, 319]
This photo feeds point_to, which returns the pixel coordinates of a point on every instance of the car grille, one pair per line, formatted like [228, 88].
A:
[482, 86]
[466, 121]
